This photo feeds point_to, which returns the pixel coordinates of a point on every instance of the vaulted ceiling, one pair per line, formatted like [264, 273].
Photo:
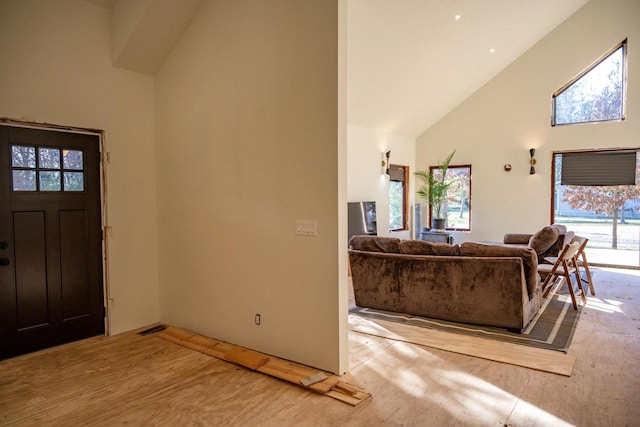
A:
[409, 62]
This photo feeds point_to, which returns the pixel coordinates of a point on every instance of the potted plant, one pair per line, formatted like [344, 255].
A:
[434, 191]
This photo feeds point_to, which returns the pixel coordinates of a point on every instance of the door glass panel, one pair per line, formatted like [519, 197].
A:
[49, 181]
[73, 181]
[24, 180]
[23, 157]
[55, 169]
[49, 158]
[72, 159]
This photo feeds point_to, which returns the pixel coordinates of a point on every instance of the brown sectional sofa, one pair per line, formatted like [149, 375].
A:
[471, 283]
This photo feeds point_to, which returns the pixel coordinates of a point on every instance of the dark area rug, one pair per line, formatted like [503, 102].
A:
[552, 328]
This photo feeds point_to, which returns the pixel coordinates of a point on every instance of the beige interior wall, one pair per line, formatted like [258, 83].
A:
[366, 182]
[247, 130]
[56, 68]
[511, 114]
[125, 17]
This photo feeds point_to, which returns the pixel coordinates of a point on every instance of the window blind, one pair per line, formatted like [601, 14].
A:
[396, 173]
[599, 168]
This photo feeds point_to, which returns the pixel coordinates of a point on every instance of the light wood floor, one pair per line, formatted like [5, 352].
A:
[138, 381]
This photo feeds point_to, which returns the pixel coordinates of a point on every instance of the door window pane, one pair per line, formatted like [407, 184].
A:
[72, 159]
[73, 181]
[49, 181]
[23, 157]
[57, 170]
[24, 180]
[49, 158]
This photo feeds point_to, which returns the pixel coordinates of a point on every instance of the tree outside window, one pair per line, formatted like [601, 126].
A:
[595, 95]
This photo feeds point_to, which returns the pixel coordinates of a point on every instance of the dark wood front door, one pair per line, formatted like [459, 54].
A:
[51, 286]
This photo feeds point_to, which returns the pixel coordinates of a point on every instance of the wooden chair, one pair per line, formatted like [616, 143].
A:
[561, 271]
[581, 261]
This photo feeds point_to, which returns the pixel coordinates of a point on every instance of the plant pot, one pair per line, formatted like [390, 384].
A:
[438, 224]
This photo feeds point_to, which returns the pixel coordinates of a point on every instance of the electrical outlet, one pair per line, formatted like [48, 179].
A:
[257, 319]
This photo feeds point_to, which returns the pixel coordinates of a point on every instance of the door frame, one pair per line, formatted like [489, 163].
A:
[105, 228]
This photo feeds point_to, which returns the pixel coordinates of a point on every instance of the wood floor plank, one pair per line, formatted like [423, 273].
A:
[528, 357]
[247, 358]
[273, 366]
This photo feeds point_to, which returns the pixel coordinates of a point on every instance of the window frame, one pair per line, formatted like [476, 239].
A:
[622, 45]
[556, 174]
[405, 198]
[462, 166]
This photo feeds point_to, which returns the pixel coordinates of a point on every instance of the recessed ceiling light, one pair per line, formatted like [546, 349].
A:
[492, 50]
[457, 17]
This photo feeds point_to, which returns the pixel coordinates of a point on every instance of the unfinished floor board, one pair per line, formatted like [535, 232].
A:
[528, 357]
[283, 369]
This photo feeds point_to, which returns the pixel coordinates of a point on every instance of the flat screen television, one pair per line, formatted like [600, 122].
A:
[362, 219]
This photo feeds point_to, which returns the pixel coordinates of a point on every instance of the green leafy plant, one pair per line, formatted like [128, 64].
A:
[434, 189]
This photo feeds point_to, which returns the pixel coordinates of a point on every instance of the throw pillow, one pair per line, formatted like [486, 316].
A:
[561, 228]
[543, 240]
[375, 244]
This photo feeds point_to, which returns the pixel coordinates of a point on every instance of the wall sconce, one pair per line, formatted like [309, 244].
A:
[385, 162]
[532, 161]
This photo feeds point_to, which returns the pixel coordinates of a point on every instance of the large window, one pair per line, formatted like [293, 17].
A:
[595, 95]
[595, 196]
[457, 204]
[398, 192]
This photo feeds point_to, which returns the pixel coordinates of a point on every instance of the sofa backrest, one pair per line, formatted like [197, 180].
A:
[375, 244]
[528, 256]
[420, 247]
[392, 245]
[471, 249]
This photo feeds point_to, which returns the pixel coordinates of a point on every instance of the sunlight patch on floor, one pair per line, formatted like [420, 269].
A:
[537, 416]
[472, 395]
[606, 306]
[411, 383]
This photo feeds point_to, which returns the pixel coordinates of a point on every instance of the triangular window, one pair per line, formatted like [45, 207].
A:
[597, 94]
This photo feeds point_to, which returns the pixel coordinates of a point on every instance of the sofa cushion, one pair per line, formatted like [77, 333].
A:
[516, 238]
[375, 244]
[543, 240]
[420, 247]
[528, 255]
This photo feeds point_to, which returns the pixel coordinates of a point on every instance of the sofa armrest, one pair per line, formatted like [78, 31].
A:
[515, 238]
